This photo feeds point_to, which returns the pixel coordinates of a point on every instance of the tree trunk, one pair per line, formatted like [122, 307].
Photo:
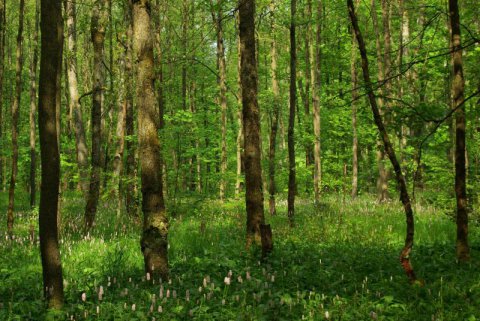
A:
[2, 68]
[291, 119]
[222, 82]
[404, 197]
[51, 25]
[98, 24]
[33, 108]
[79, 129]
[15, 115]
[458, 88]
[316, 79]
[240, 136]
[355, 97]
[155, 224]
[308, 84]
[274, 118]
[251, 123]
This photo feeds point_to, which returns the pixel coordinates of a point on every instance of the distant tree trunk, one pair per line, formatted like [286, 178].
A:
[155, 224]
[458, 88]
[98, 24]
[51, 56]
[274, 118]
[251, 123]
[291, 119]
[33, 108]
[308, 84]
[79, 129]
[382, 181]
[15, 115]
[131, 189]
[316, 79]
[404, 197]
[2, 67]
[222, 81]
[355, 97]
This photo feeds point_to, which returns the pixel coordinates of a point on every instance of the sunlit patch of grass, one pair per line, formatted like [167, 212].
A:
[339, 262]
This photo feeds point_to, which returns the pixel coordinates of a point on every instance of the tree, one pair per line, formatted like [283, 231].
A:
[251, 123]
[355, 97]
[79, 129]
[2, 70]
[404, 197]
[291, 118]
[458, 88]
[51, 25]
[316, 80]
[15, 116]
[98, 25]
[154, 240]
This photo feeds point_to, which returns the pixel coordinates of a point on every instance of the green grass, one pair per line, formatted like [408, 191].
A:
[340, 262]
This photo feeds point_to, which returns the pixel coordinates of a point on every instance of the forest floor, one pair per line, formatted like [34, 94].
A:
[340, 262]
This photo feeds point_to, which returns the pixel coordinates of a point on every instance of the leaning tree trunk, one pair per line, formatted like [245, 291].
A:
[274, 119]
[458, 88]
[154, 240]
[404, 197]
[316, 79]
[51, 25]
[33, 109]
[15, 115]
[80, 138]
[251, 123]
[98, 23]
[291, 119]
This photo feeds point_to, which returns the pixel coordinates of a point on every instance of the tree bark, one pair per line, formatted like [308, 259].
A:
[79, 129]
[33, 108]
[316, 79]
[51, 25]
[274, 117]
[15, 116]
[404, 197]
[98, 24]
[251, 123]
[458, 89]
[155, 223]
[291, 119]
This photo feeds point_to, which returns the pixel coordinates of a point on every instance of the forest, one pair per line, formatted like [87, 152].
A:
[239, 160]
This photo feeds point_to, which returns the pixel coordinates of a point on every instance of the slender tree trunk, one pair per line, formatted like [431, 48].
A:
[291, 119]
[240, 135]
[308, 84]
[355, 97]
[98, 24]
[251, 123]
[274, 118]
[316, 79]
[222, 81]
[2, 68]
[15, 115]
[79, 129]
[458, 88]
[33, 108]
[51, 25]
[131, 189]
[404, 197]
[154, 240]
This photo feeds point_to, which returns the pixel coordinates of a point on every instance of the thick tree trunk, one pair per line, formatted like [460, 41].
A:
[98, 24]
[79, 129]
[274, 118]
[251, 123]
[51, 56]
[222, 98]
[404, 197]
[458, 88]
[15, 116]
[291, 118]
[154, 240]
[316, 79]
[33, 108]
